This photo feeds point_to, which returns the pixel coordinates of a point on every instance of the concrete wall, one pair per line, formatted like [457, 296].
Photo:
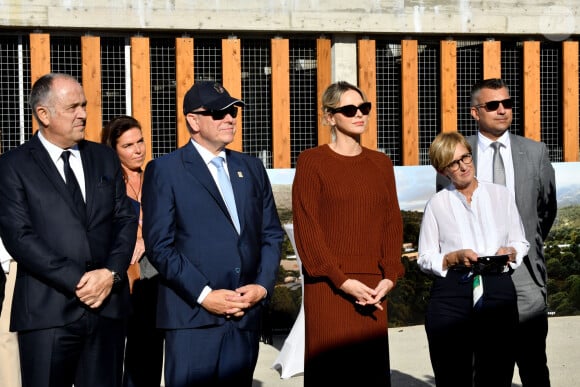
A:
[555, 20]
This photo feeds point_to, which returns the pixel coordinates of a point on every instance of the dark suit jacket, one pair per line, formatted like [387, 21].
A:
[42, 230]
[191, 240]
[535, 193]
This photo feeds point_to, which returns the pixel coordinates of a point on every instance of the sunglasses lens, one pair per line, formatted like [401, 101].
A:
[365, 108]
[492, 106]
[220, 114]
[349, 110]
[507, 103]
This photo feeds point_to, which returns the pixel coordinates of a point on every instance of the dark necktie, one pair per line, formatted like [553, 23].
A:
[73, 185]
[227, 191]
[498, 167]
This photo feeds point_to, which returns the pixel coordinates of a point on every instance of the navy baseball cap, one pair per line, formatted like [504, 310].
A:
[209, 95]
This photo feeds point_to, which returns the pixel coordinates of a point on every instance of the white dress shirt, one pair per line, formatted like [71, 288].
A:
[450, 223]
[75, 161]
[485, 160]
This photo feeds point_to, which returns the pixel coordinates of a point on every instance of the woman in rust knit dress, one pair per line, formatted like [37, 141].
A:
[348, 230]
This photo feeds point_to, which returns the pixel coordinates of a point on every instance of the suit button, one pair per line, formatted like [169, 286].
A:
[237, 270]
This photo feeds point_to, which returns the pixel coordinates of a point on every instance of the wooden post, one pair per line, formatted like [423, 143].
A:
[531, 90]
[448, 86]
[141, 88]
[183, 82]
[232, 78]
[491, 59]
[410, 102]
[323, 80]
[91, 67]
[570, 101]
[367, 81]
[280, 103]
[39, 61]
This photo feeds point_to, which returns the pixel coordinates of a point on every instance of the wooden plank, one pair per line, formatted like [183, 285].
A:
[280, 103]
[323, 80]
[367, 81]
[491, 59]
[183, 82]
[91, 69]
[448, 86]
[531, 90]
[39, 61]
[570, 101]
[410, 102]
[232, 81]
[141, 89]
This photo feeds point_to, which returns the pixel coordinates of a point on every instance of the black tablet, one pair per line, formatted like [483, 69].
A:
[496, 259]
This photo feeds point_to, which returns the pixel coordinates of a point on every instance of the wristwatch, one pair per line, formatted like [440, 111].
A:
[116, 278]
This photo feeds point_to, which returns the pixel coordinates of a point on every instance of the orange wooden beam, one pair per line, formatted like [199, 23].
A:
[448, 86]
[39, 61]
[570, 101]
[280, 103]
[367, 81]
[323, 80]
[410, 102]
[141, 88]
[531, 90]
[232, 79]
[183, 82]
[91, 68]
[491, 59]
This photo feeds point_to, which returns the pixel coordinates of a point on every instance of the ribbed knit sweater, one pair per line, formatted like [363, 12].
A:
[347, 224]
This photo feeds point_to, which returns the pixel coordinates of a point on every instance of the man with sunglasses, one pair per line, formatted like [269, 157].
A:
[215, 240]
[530, 177]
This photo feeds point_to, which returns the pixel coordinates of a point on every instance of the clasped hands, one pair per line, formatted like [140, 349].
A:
[365, 295]
[233, 303]
[94, 287]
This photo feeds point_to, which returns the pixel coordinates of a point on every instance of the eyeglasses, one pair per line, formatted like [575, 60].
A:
[350, 110]
[217, 115]
[465, 159]
[492, 106]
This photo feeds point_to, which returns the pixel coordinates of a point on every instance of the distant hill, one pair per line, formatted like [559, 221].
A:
[568, 196]
[567, 217]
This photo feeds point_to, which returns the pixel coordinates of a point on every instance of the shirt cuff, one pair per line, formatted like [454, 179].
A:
[206, 290]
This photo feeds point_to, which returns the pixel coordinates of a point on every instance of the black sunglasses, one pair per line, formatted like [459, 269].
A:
[219, 114]
[492, 106]
[350, 110]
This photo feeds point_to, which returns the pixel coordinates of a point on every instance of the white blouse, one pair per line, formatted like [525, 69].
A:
[450, 223]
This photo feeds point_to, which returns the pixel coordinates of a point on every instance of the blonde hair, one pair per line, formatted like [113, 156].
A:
[442, 149]
[333, 93]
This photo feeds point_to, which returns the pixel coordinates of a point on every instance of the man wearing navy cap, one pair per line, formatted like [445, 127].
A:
[212, 231]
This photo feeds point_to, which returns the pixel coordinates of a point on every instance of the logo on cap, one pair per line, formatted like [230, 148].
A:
[219, 88]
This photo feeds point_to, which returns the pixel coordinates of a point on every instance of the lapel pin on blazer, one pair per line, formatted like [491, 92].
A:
[240, 174]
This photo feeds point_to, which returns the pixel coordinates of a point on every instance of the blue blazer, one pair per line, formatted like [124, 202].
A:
[192, 242]
[42, 230]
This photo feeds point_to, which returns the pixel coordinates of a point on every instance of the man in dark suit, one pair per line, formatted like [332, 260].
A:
[530, 177]
[73, 245]
[218, 264]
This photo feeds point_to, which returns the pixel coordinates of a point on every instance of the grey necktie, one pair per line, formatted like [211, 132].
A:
[73, 185]
[227, 191]
[498, 167]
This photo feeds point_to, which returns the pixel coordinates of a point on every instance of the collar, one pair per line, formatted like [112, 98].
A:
[206, 155]
[485, 142]
[55, 151]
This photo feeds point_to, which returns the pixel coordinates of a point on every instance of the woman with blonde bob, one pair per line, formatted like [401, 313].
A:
[471, 240]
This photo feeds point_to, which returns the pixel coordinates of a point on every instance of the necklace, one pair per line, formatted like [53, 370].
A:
[135, 192]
